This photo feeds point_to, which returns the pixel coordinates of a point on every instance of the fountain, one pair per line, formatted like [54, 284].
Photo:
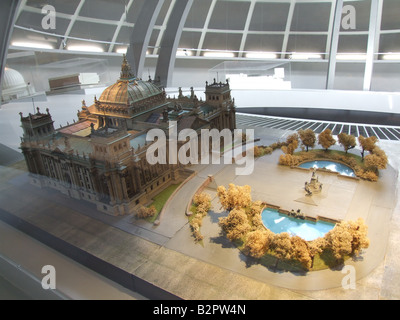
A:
[314, 186]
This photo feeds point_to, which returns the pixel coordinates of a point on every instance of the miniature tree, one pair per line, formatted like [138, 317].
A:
[292, 142]
[367, 144]
[348, 238]
[257, 151]
[315, 247]
[308, 138]
[282, 246]
[301, 252]
[202, 202]
[347, 141]
[235, 196]
[144, 212]
[359, 232]
[257, 242]
[326, 140]
[339, 240]
[236, 224]
[377, 160]
[289, 160]
[195, 226]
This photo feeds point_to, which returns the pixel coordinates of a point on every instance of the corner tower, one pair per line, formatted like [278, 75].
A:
[218, 94]
[37, 126]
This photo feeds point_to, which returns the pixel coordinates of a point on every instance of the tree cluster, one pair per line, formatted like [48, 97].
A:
[376, 160]
[234, 196]
[244, 224]
[202, 203]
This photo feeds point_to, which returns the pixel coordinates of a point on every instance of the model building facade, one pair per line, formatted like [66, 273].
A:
[101, 158]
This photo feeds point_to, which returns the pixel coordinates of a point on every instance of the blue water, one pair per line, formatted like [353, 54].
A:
[308, 230]
[330, 165]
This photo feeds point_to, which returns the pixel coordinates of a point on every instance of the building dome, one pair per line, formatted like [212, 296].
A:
[12, 79]
[129, 91]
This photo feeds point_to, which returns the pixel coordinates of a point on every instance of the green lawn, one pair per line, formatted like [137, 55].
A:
[160, 199]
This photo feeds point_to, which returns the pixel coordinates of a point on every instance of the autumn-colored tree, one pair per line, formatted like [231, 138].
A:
[202, 202]
[315, 247]
[377, 159]
[339, 240]
[308, 138]
[282, 246]
[289, 160]
[347, 141]
[235, 196]
[257, 151]
[236, 224]
[257, 222]
[301, 252]
[144, 212]
[292, 142]
[359, 232]
[255, 208]
[195, 226]
[348, 238]
[257, 242]
[367, 144]
[254, 215]
[326, 139]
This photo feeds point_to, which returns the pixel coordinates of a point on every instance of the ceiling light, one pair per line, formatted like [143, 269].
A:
[219, 54]
[122, 50]
[305, 56]
[35, 45]
[261, 55]
[85, 48]
[352, 56]
[391, 56]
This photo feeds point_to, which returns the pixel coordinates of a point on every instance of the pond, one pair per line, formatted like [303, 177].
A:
[308, 230]
[329, 165]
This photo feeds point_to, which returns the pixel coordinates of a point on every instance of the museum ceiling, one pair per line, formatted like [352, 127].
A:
[239, 27]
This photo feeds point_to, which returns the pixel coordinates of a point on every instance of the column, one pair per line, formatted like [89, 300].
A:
[170, 41]
[373, 37]
[330, 81]
[141, 33]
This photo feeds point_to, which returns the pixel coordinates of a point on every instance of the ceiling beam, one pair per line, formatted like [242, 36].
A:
[205, 28]
[287, 29]
[247, 27]
[71, 24]
[119, 26]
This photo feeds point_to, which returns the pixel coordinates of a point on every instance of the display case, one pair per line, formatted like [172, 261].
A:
[254, 75]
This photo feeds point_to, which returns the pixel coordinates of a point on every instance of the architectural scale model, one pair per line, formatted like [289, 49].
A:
[101, 158]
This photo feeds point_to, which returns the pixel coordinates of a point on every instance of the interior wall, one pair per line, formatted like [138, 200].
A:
[195, 72]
